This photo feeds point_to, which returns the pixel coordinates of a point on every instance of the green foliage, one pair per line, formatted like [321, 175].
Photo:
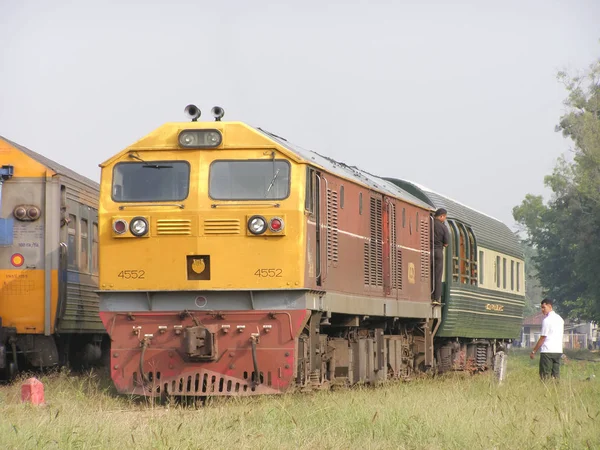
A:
[565, 231]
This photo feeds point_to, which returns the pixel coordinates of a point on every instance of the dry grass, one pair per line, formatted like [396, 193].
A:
[450, 412]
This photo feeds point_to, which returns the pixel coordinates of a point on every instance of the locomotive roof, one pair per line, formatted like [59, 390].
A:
[349, 172]
[490, 232]
[53, 165]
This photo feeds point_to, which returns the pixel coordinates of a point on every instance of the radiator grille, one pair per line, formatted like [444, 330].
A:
[425, 244]
[174, 227]
[332, 225]
[373, 265]
[221, 226]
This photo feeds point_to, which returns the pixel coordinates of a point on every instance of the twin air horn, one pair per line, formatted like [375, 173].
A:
[193, 112]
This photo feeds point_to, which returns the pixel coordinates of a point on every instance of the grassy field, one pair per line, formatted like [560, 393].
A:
[449, 412]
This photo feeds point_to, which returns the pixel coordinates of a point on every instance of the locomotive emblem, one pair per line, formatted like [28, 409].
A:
[411, 273]
[198, 265]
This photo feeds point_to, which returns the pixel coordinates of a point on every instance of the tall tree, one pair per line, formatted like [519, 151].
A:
[565, 231]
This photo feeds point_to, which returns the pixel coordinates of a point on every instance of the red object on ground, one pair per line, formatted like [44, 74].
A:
[32, 391]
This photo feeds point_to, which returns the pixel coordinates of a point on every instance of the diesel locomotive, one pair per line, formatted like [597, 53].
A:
[233, 262]
[48, 263]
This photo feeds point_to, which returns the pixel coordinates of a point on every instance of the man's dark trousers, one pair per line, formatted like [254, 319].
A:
[550, 365]
[438, 255]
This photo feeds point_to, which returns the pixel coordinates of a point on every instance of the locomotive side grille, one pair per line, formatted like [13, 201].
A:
[399, 273]
[424, 240]
[374, 256]
[367, 265]
[393, 249]
[332, 225]
[174, 227]
[221, 226]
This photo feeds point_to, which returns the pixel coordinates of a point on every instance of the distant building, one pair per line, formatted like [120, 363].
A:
[578, 335]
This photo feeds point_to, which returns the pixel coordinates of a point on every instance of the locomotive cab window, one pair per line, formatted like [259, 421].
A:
[151, 181]
[249, 180]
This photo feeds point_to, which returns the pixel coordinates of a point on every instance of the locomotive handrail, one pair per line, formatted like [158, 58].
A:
[217, 205]
[146, 205]
[318, 226]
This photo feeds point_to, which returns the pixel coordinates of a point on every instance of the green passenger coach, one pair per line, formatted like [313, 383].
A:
[484, 274]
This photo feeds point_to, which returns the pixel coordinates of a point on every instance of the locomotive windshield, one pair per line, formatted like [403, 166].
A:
[249, 180]
[153, 181]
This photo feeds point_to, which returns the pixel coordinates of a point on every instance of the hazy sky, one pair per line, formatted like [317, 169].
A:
[461, 97]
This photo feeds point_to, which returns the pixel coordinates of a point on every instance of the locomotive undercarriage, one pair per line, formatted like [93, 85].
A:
[348, 350]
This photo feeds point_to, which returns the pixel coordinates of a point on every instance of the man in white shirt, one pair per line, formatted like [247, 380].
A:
[550, 342]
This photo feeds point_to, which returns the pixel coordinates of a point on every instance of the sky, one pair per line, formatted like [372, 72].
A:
[460, 96]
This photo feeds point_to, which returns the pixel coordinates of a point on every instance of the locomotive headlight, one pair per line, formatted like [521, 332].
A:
[139, 226]
[257, 225]
[200, 138]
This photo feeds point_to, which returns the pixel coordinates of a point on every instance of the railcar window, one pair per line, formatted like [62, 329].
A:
[249, 180]
[72, 242]
[512, 275]
[94, 248]
[83, 236]
[151, 181]
[481, 267]
[403, 217]
[518, 277]
[497, 271]
[504, 273]
[341, 197]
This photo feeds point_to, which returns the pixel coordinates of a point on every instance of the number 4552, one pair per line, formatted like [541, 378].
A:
[268, 273]
[132, 274]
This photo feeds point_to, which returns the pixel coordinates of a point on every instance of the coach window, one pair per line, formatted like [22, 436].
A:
[464, 254]
[504, 273]
[481, 267]
[94, 247]
[72, 242]
[455, 245]
[84, 264]
[63, 204]
[512, 275]
[403, 217]
[341, 197]
[473, 264]
[497, 272]
[518, 277]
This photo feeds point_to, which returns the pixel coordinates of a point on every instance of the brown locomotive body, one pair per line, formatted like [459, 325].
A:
[273, 267]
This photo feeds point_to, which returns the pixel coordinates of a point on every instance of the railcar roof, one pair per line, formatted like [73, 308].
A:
[53, 165]
[349, 172]
[490, 232]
